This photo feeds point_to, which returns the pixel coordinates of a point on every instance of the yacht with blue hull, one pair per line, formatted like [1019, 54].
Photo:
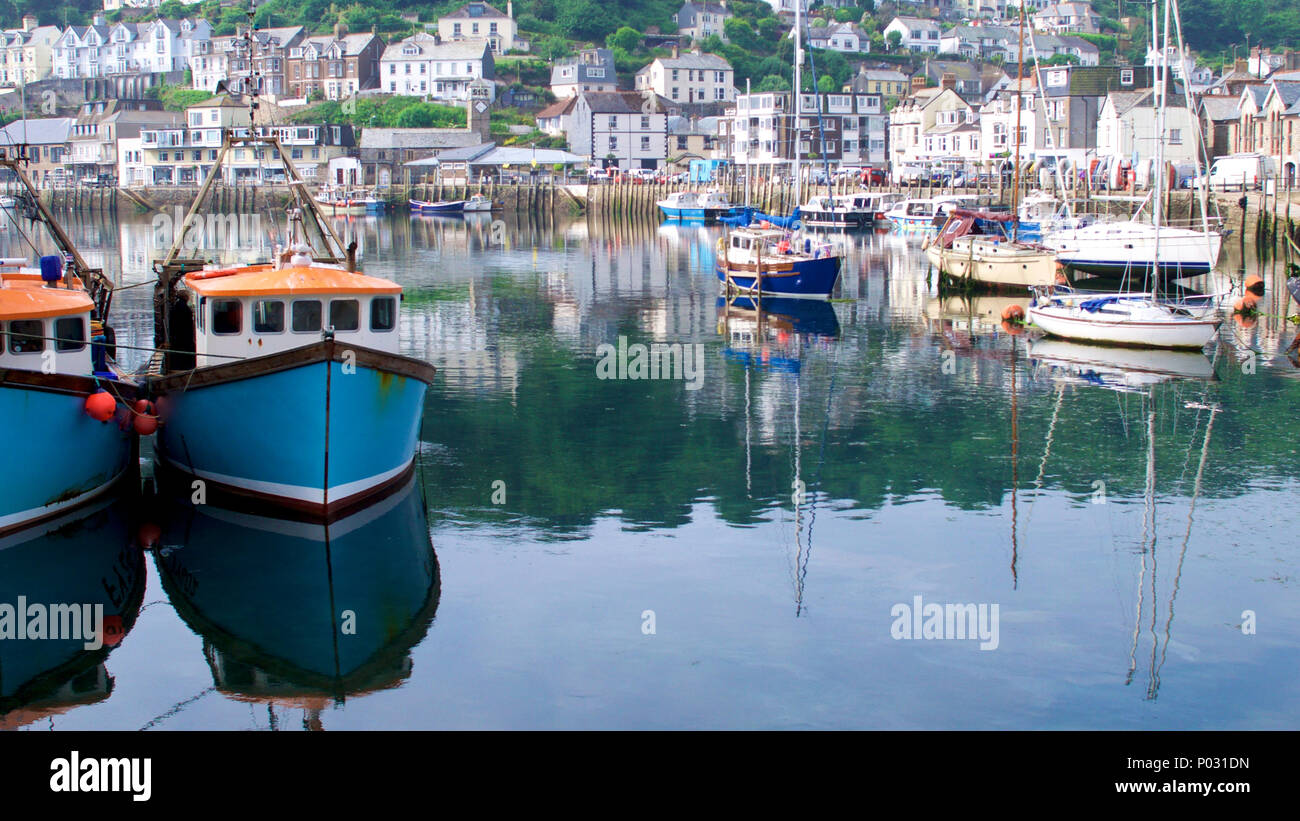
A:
[770, 261]
[69, 411]
[284, 385]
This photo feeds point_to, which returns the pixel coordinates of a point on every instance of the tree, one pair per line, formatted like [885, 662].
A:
[894, 38]
[773, 82]
[826, 85]
[626, 38]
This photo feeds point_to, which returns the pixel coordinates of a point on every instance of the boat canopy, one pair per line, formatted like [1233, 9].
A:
[264, 280]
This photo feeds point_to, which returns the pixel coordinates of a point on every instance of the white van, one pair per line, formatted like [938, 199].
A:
[1231, 172]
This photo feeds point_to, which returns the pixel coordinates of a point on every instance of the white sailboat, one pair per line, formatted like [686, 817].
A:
[1139, 319]
[1133, 245]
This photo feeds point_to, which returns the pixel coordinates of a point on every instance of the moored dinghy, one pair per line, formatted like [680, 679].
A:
[294, 393]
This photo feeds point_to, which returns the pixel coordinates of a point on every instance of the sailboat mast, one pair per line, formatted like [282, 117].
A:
[798, 92]
[1020, 72]
[1157, 188]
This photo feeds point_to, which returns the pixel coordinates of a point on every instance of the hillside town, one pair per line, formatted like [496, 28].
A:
[934, 89]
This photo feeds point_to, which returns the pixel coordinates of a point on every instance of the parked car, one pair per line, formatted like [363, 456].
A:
[874, 176]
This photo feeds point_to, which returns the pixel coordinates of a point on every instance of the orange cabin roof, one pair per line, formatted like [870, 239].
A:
[29, 299]
[262, 280]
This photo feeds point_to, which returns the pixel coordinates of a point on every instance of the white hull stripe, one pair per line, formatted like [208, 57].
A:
[312, 495]
[41, 512]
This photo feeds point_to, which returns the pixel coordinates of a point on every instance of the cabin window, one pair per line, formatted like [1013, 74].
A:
[69, 333]
[198, 315]
[268, 316]
[383, 313]
[227, 316]
[306, 316]
[345, 314]
[26, 336]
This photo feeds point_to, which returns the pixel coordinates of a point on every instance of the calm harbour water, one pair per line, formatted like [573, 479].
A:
[1083, 492]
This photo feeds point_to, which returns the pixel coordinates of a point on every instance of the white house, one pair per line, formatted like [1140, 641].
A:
[620, 129]
[689, 78]
[1067, 18]
[999, 117]
[25, 53]
[420, 66]
[700, 20]
[480, 21]
[1126, 128]
[591, 70]
[917, 34]
[933, 123]
[101, 50]
[846, 38]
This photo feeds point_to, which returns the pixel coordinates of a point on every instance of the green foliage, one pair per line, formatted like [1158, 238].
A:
[383, 112]
[178, 98]
[774, 82]
[626, 38]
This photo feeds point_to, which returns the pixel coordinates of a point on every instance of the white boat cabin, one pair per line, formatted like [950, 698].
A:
[44, 328]
[259, 310]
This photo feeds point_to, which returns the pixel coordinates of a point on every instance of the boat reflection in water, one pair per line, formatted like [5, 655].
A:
[299, 614]
[86, 558]
[771, 333]
[1122, 369]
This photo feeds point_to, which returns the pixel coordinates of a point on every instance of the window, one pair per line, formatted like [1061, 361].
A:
[383, 313]
[1126, 77]
[306, 316]
[345, 314]
[645, 123]
[645, 143]
[613, 122]
[227, 317]
[26, 336]
[1175, 136]
[268, 316]
[69, 333]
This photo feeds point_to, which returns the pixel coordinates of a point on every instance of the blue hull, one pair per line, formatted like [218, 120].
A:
[813, 278]
[316, 436]
[57, 457]
[703, 214]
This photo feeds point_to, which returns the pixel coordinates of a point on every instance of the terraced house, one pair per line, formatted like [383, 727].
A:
[101, 50]
[226, 59]
[334, 67]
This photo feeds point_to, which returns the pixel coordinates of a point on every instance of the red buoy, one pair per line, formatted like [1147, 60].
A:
[1013, 313]
[101, 406]
[145, 425]
[1255, 284]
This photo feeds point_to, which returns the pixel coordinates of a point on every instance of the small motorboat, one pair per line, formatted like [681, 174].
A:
[442, 207]
[479, 203]
[708, 206]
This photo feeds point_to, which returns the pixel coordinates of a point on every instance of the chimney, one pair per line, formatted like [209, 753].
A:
[340, 29]
[1241, 65]
[29, 22]
[948, 80]
[510, 9]
[918, 82]
[676, 49]
[98, 19]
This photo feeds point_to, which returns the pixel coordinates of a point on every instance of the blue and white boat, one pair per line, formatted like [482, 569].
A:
[770, 261]
[706, 206]
[440, 207]
[69, 412]
[924, 214]
[295, 394]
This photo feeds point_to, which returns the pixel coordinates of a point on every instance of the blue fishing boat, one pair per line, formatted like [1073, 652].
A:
[770, 261]
[292, 393]
[70, 412]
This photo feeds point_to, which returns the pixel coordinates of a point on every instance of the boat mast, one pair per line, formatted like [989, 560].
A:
[1157, 188]
[1020, 73]
[798, 92]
